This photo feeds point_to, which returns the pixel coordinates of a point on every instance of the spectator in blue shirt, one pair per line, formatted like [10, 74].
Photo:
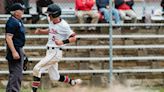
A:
[103, 6]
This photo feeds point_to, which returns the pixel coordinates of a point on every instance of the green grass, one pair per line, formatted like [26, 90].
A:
[162, 90]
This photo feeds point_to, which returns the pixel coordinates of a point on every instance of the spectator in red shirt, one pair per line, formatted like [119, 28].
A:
[125, 9]
[84, 7]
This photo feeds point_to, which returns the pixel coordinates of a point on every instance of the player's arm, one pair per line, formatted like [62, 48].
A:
[71, 39]
[41, 31]
[8, 38]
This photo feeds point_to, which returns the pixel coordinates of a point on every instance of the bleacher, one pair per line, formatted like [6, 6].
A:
[134, 52]
[99, 42]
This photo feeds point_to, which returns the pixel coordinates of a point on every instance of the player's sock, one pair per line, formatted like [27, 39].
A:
[35, 83]
[65, 79]
[72, 82]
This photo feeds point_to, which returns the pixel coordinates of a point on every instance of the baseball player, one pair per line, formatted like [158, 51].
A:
[60, 34]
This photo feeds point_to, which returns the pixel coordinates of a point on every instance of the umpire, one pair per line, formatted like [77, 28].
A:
[15, 39]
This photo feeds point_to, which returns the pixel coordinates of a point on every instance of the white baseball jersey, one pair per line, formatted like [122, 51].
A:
[59, 31]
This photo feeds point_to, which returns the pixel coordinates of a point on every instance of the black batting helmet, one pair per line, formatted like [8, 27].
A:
[54, 10]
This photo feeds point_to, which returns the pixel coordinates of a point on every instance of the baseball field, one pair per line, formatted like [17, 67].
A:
[118, 88]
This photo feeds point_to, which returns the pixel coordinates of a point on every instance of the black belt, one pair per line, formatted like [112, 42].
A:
[53, 48]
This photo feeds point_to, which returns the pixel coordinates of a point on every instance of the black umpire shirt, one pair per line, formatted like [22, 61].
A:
[15, 27]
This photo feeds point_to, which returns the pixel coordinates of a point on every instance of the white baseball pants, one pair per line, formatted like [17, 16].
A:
[50, 63]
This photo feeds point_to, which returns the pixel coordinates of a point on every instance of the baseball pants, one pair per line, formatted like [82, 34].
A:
[15, 73]
[50, 63]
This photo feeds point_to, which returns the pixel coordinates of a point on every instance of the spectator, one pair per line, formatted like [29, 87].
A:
[84, 7]
[162, 5]
[105, 9]
[146, 12]
[125, 9]
[42, 3]
[8, 3]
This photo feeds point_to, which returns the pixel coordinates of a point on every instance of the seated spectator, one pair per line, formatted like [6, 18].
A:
[162, 5]
[41, 4]
[125, 9]
[146, 13]
[105, 9]
[84, 7]
[8, 3]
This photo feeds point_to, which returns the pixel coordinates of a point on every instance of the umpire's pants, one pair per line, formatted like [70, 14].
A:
[15, 73]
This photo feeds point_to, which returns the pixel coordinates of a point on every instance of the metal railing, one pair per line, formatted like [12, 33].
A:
[126, 58]
[96, 25]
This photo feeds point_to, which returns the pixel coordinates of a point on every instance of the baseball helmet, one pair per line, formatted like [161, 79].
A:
[54, 10]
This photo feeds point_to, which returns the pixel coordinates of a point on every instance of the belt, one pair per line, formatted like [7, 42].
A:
[54, 48]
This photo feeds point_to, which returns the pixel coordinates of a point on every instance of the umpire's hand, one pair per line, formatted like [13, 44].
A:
[15, 55]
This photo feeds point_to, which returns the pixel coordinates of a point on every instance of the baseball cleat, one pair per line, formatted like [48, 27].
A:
[76, 82]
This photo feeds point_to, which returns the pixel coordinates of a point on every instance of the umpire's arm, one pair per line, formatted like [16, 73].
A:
[10, 44]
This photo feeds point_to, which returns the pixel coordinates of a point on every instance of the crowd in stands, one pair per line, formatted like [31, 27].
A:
[121, 10]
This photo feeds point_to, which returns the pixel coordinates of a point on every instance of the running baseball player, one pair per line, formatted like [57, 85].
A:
[60, 34]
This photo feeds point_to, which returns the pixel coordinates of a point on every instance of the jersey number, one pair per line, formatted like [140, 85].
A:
[53, 38]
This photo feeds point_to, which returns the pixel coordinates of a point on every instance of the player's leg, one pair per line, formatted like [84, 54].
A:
[38, 69]
[54, 75]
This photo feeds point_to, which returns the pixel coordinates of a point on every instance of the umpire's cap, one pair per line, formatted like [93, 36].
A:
[54, 10]
[17, 6]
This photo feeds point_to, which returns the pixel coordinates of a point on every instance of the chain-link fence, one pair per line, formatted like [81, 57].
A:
[148, 5]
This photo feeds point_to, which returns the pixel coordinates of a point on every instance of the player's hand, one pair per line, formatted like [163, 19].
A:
[15, 55]
[59, 42]
[37, 31]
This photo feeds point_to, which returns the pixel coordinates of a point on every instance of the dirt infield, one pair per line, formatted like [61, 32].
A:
[116, 88]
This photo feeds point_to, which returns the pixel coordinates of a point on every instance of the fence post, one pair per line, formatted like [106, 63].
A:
[110, 46]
